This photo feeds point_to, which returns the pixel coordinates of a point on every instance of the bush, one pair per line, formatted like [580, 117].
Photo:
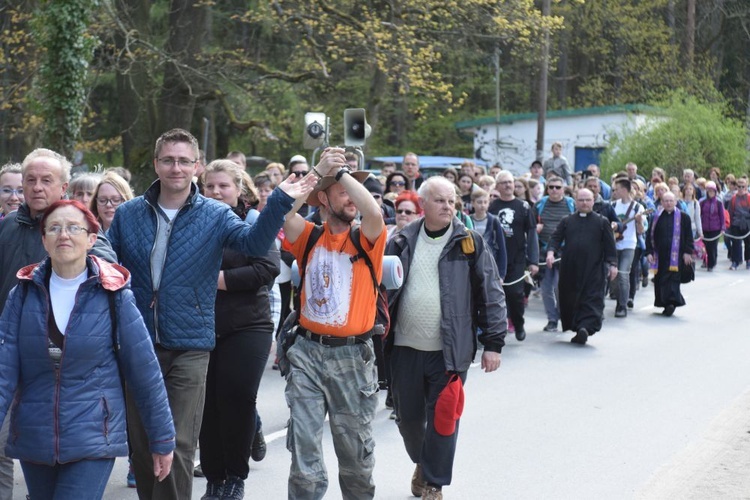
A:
[687, 134]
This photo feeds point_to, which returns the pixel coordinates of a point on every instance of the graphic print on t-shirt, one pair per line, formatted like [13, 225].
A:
[506, 216]
[328, 287]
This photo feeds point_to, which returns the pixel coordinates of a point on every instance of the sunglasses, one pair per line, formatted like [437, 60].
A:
[376, 196]
[554, 187]
[405, 211]
[398, 183]
[299, 173]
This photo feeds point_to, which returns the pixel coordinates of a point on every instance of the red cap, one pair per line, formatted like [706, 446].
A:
[449, 406]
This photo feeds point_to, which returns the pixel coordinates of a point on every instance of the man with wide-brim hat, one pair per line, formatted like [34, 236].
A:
[332, 360]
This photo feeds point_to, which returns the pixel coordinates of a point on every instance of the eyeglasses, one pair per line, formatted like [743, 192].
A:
[6, 191]
[403, 211]
[169, 161]
[742, 186]
[103, 202]
[554, 187]
[398, 183]
[72, 230]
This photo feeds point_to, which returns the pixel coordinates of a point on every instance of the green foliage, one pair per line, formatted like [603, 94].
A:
[62, 26]
[690, 134]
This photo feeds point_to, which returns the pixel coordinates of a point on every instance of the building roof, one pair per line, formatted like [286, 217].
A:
[561, 113]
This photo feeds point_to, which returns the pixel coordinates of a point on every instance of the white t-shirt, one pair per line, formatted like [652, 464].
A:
[630, 236]
[62, 293]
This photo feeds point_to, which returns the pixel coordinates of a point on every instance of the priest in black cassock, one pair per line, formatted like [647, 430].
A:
[586, 243]
[670, 250]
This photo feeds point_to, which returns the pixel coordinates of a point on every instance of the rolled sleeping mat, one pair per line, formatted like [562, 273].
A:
[393, 273]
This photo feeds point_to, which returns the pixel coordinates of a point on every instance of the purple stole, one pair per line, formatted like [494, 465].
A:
[674, 251]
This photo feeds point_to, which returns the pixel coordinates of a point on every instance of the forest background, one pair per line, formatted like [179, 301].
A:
[106, 77]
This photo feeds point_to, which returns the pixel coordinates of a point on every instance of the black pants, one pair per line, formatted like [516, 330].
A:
[635, 271]
[737, 246]
[712, 247]
[235, 368]
[514, 295]
[417, 377]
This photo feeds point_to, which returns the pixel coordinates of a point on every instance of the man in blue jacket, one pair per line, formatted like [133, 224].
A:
[172, 240]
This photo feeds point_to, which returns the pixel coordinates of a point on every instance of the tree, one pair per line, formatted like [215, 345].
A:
[68, 47]
[687, 134]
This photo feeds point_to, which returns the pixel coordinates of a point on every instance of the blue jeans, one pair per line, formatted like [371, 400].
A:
[550, 293]
[624, 263]
[74, 480]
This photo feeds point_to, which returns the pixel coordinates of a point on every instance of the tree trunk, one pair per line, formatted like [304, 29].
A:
[542, 104]
[187, 32]
[137, 114]
[690, 34]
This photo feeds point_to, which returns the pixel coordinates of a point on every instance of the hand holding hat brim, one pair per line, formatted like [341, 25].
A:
[329, 180]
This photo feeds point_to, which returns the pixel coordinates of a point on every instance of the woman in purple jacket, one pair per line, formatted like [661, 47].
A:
[712, 218]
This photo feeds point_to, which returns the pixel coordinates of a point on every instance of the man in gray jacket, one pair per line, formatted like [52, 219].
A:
[451, 287]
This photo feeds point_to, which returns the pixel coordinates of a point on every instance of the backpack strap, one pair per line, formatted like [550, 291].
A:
[315, 234]
[361, 254]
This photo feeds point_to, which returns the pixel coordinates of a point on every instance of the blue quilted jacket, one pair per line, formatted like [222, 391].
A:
[78, 411]
[180, 314]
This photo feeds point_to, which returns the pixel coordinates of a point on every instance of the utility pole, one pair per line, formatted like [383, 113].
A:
[542, 109]
[497, 104]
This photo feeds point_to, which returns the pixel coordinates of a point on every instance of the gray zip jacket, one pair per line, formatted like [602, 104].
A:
[471, 295]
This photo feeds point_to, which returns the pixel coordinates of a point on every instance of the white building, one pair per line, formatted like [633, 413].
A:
[582, 132]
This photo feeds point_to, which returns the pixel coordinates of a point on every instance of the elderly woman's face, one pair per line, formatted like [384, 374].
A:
[63, 246]
[405, 213]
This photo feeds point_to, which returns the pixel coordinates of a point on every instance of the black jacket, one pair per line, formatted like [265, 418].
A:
[244, 305]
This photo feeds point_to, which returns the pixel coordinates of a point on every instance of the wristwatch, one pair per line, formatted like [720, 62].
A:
[341, 172]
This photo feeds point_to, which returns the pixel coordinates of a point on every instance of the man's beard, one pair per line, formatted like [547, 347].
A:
[341, 215]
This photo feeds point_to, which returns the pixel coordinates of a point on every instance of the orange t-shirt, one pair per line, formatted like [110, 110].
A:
[338, 297]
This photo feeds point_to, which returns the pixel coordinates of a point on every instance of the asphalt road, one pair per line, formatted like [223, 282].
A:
[652, 407]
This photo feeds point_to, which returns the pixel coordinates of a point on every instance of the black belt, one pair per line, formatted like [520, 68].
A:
[333, 341]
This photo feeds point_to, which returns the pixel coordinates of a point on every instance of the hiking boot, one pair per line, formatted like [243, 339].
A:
[234, 488]
[417, 482]
[432, 492]
[620, 312]
[520, 335]
[258, 448]
[214, 491]
[581, 336]
[551, 326]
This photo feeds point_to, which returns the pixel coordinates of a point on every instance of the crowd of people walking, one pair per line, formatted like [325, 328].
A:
[141, 326]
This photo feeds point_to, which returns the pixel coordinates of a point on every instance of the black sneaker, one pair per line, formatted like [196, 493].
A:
[551, 326]
[214, 491]
[644, 281]
[234, 488]
[630, 303]
[520, 335]
[621, 312]
[581, 336]
[258, 448]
